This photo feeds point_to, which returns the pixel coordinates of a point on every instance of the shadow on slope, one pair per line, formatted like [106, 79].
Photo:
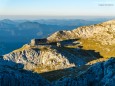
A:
[80, 58]
[76, 55]
[67, 72]
[100, 74]
[13, 74]
[74, 52]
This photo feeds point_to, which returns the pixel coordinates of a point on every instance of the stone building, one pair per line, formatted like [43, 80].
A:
[35, 42]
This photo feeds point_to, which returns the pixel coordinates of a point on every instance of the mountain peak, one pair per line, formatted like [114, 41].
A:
[8, 21]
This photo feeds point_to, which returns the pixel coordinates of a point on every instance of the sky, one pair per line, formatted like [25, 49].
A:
[57, 7]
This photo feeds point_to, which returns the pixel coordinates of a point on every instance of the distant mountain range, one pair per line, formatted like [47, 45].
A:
[22, 31]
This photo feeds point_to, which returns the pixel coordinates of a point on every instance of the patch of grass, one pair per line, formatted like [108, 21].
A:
[25, 47]
[105, 50]
[43, 48]
[44, 68]
[71, 46]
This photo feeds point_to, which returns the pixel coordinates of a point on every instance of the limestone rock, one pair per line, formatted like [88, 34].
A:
[12, 74]
[103, 32]
[100, 74]
[35, 58]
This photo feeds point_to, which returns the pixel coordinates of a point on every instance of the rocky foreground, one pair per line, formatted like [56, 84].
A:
[12, 74]
[99, 74]
[67, 54]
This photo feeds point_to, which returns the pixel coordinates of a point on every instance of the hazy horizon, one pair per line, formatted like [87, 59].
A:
[49, 8]
[34, 17]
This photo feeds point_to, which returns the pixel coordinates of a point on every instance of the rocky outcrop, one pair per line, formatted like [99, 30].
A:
[61, 35]
[12, 74]
[103, 32]
[37, 58]
[100, 74]
[46, 59]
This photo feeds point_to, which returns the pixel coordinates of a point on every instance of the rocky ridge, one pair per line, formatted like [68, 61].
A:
[49, 59]
[103, 32]
[34, 58]
[45, 57]
[100, 74]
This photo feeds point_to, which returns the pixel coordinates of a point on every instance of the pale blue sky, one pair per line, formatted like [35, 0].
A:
[57, 7]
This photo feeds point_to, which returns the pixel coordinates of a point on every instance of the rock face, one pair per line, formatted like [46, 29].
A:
[12, 74]
[35, 58]
[103, 32]
[51, 58]
[61, 35]
[100, 74]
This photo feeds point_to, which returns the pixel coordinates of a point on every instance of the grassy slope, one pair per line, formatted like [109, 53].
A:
[105, 50]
